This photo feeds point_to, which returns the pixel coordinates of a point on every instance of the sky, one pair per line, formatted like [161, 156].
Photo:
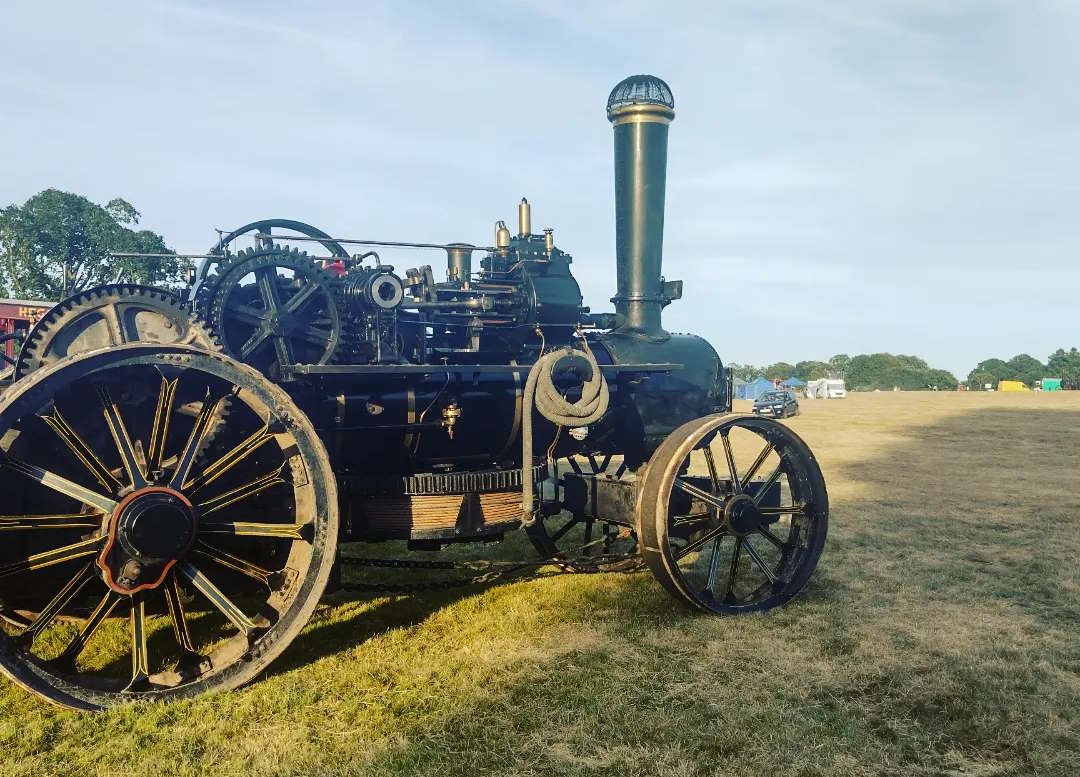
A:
[844, 177]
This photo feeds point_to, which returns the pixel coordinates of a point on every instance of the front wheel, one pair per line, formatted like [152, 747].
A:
[733, 513]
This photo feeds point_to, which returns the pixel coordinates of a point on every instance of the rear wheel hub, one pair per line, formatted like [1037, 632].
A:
[149, 532]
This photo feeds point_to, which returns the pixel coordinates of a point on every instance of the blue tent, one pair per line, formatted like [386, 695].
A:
[755, 388]
[794, 383]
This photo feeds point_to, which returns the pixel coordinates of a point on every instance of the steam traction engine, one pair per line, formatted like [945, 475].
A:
[189, 465]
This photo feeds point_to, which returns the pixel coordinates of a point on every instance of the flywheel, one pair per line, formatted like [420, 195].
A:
[273, 308]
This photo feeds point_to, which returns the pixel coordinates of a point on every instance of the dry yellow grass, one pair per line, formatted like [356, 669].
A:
[940, 635]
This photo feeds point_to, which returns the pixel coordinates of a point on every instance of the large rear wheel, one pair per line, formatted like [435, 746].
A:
[138, 558]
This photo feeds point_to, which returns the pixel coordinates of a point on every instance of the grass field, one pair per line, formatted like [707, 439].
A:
[939, 635]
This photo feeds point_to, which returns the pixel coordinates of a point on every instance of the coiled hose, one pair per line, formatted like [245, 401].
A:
[540, 392]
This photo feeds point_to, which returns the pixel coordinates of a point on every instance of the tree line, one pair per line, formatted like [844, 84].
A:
[1027, 369]
[58, 243]
[862, 372]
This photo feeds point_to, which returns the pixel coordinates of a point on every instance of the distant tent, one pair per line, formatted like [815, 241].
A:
[1051, 384]
[793, 383]
[1012, 385]
[755, 388]
[736, 382]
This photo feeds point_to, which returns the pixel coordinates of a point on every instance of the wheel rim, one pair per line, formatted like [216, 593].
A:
[735, 512]
[121, 506]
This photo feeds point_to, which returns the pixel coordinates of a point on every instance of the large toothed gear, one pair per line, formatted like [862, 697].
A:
[275, 307]
[109, 315]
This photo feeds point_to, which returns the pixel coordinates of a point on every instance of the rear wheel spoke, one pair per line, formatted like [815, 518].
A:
[194, 442]
[59, 484]
[257, 486]
[121, 438]
[287, 531]
[56, 605]
[733, 570]
[162, 414]
[62, 521]
[66, 660]
[140, 663]
[574, 521]
[779, 543]
[82, 451]
[224, 605]
[52, 557]
[226, 559]
[792, 510]
[175, 604]
[244, 449]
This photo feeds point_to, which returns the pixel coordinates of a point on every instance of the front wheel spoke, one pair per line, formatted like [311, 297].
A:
[768, 483]
[779, 543]
[140, 664]
[66, 660]
[254, 571]
[257, 486]
[56, 605]
[714, 476]
[244, 449]
[749, 474]
[224, 605]
[714, 566]
[792, 510]
[699, 493]
[285, 531]
[735, 482]
[52, 557]
[162, 414]
[63, 521]
[77, 445]
[689, 548]
[753, 554]
[194, 442]
[733, 570]
[121, 438]
[59, 484]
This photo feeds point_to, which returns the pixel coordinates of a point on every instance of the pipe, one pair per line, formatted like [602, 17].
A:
[640, 108]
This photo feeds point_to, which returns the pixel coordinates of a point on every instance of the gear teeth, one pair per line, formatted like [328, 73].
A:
[35, 352]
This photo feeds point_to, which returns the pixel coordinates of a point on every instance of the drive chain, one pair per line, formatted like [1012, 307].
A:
[489, 571]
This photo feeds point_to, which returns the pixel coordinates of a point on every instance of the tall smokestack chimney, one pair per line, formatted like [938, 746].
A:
[640, 108]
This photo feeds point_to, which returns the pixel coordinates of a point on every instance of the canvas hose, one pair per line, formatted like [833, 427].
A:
[541, 394]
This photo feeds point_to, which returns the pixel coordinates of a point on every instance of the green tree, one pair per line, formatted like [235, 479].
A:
[57, 243]
[745, 372]
[977, 380]
[1064, 364]
[811, 370]
[838, 365]
[779, 371]
[1026, 368]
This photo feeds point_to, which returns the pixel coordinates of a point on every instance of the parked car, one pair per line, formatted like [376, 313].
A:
[779, 404]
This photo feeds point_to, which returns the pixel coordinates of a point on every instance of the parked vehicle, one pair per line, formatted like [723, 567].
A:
[778, 404]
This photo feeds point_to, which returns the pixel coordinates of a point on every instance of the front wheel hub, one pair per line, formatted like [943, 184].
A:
[149, 531]
[741, 516]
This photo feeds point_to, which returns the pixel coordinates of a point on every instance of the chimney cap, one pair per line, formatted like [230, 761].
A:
[640, 90]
